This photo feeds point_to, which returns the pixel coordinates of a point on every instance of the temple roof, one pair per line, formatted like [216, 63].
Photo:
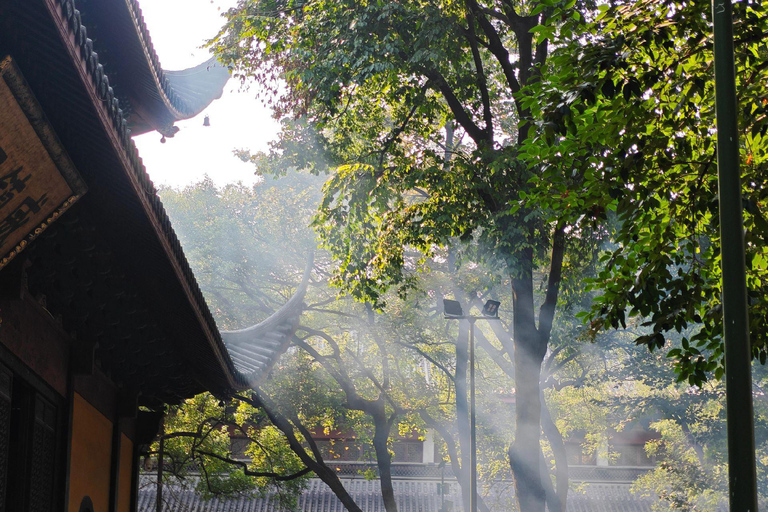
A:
[412, 495]
[254, 350]
[152, 98]
[111, 269]
[197, 86]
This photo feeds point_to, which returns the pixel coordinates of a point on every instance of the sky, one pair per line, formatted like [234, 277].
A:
[238, 119]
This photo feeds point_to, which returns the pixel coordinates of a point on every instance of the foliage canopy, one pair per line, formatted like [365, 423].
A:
[626, 136]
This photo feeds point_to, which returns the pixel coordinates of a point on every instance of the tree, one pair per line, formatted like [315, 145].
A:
[642, 73]
[384, 85]
[342, 346]
[197, 440]
[225, 230]
[619, 386]
[248, 261]
[247, 258]
[302, 393]
[420, 327]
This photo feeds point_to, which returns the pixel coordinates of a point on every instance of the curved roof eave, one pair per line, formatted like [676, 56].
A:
[156, 98]
[255, 349]
[198, 86]
[186, 92]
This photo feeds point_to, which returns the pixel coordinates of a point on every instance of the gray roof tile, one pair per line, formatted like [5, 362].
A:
[411, 495]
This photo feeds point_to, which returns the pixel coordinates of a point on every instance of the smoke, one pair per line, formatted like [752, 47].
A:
[624, 419]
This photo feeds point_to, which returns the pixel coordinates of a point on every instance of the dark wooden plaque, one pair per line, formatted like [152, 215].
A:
[38, 181]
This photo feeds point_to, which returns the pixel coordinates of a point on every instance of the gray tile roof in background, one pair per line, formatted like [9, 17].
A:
[411, 495]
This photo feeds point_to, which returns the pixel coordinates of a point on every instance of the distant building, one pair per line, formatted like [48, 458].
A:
[603, 483]
[416, 490]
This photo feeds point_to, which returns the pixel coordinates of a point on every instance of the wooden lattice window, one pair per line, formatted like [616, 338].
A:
[31, 445]
[6, 383]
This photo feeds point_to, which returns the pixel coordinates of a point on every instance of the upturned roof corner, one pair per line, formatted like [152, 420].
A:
[255, 349]
[153, 98]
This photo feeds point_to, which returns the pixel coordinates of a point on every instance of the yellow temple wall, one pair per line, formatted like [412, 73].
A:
[126, 472]
[90, 457]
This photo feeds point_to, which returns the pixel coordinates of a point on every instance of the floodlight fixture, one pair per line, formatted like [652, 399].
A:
[452, 309]
[491, 309]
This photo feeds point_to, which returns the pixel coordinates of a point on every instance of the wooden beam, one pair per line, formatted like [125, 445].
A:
[83, 357]
[127, 404]
[13, 279]
[147, 427]
[135, 477]
[114, 466]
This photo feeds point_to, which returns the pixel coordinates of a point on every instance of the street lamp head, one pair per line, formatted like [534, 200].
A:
[452, 309]
[491, 309]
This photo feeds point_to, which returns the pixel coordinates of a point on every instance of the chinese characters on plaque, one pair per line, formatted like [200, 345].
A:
[38, 182]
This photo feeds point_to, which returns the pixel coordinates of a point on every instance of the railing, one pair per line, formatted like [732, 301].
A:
[617, 474]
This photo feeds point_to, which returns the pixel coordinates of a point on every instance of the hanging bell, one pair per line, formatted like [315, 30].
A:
[206, 121]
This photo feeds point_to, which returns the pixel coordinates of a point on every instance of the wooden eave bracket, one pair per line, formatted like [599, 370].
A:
[83, 357]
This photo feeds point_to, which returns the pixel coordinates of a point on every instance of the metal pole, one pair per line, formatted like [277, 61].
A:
[442, 487]
[160, 464]
[472, 431]
[738, 375]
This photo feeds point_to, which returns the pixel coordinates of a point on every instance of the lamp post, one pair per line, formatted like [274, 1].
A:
[742, 483]
[453, 311]
[442, 485]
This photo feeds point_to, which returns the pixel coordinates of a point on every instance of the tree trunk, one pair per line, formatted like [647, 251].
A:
[383, 458]
[529, 351]
[331, 479]
[462, 409]
[316, 464]
[456, 469]
[553, 502]
[555, 439]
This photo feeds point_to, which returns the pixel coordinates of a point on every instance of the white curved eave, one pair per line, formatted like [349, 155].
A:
[198, 86]
[255, 349]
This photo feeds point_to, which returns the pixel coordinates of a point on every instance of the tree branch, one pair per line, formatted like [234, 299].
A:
[496, 46]
[542, 49]
[354, 400]
[172, 435]
[429, 358]
[317, 465]
[450, 443]
[482, 81]
[496, 14]
[400, 129]
[498, 356]
[286, 427]
[547, 311]
[502, 334]
[248, 472]
[459, 113]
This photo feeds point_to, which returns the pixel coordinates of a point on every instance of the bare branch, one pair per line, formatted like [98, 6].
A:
[547, 311]
[482, 81]
[180, 434]
[495, 44]
[459, 112]
[248, 472]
